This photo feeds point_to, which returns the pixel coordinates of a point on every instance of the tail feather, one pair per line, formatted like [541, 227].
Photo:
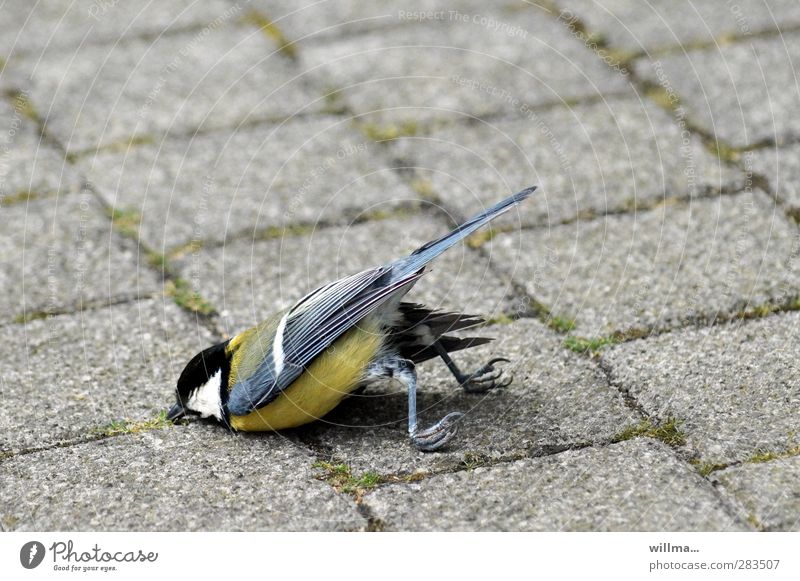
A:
[423, 255]
[420, 327]
[418, 354]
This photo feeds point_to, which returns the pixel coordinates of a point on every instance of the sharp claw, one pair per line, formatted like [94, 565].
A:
[439, 434]
[484, 380]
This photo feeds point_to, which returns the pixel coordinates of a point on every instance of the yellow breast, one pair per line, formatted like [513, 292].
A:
[334, 374]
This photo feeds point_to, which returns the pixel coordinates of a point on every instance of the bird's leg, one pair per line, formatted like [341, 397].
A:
[480, 381]
[435, 436]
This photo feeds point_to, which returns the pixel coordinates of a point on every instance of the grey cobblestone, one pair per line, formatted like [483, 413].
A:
[28, 164]
[675, 264]
[213, 77]
[229, 183]
[65, 255]
[735, 389]
[557, 399]
[619, 154]
[442, 69]
[73, 375]
[659, 24]
[768, 492]
[178, 479]
[342, 18]
[636, 485]
[744, 93]
[781, 168]
[31, 27]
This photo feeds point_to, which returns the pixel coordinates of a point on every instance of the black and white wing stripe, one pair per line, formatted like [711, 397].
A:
[310, 327]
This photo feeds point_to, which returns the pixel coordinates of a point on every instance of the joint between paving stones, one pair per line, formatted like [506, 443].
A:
[85, 306]
[293, 230]
[622, 58]
[723, 151]
[631, 402]
[22, 104]
[272, 31]
[593, 346]
[722, 40]
[78, 441]
[706, 193]
[125, 224]
[627, 57]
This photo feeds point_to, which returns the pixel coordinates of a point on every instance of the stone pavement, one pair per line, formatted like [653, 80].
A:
[171, 174]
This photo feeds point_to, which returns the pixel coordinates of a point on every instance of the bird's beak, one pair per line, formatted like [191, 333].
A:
[176, 412]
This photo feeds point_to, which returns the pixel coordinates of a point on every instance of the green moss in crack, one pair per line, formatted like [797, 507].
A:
[723, 151]
[286, 47]
[473, 460]
[23, 105]
[334, 104]
[122, 427]
[30, 316]
[561, 324]
[706, 468]
[481, 237]
[126, 221]
[768, 455]
[181, 292]
[341, 477]
[501, 319]
[667, 432]
[388, 132]
[593, 345]
[424, 189]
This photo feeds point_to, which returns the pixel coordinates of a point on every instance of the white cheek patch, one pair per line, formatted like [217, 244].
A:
[206, 399]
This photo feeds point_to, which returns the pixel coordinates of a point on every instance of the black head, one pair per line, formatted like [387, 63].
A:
[203, 385]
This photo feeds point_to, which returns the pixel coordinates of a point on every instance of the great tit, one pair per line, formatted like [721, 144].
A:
[298, 364]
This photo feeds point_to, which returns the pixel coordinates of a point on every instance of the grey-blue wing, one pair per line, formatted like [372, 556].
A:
[310, 327]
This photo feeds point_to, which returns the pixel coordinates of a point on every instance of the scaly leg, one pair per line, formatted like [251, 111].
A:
[480, 381]
[433, 437]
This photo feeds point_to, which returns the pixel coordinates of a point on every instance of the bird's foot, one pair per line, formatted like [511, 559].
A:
[487, 378]
[437, 435]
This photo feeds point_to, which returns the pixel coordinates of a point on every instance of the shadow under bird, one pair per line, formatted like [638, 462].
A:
[300, 363]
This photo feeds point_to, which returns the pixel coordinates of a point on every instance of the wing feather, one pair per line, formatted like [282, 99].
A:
[312, 325]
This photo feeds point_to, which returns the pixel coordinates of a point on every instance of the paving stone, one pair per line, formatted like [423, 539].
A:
[341, 18]
[34, 26]
[557, 400]
[178, 479]
[214, 77]
[636, 485]
[587, 159]
[743, 93]
[225, 183]
[769, 492]
[247, 281]
[781, 168]
[71, 375]
[60, 252]
[28, 164]
[735, 388]
[655, 24]
[441, 69]
[676, 264]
